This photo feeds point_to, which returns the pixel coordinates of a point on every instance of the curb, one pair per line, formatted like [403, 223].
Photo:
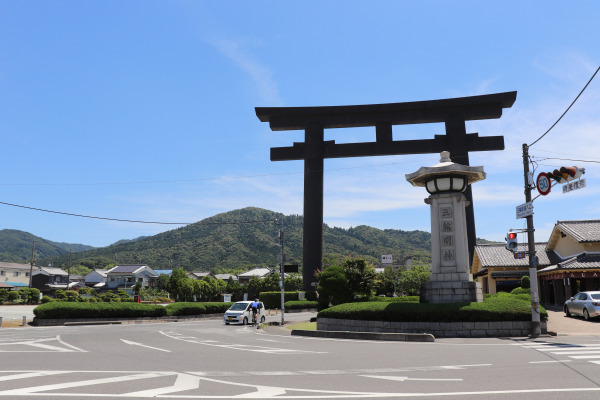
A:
[401, 337]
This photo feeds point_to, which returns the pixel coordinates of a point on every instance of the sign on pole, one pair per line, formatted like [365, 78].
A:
[580, 184]
[525, 210]
[543, 184]
[386, 259]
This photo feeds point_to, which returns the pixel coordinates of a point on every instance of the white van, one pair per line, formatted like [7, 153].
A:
[241, 313]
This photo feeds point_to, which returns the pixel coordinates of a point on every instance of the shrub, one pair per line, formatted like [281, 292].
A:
[520, 290]
[97, 310]
[47, 299]
[311, 295]
[13, 295]
[300, 304]
[501, 307]
[3, 295]
[185, 308]
[525, 282]
[109, 297]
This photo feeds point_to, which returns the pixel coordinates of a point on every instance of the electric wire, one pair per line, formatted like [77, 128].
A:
[136, 221]
[568, 108]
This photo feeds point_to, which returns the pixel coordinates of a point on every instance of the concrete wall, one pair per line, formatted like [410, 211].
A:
[437, 329]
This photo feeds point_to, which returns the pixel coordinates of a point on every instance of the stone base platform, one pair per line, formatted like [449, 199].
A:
[451, 292]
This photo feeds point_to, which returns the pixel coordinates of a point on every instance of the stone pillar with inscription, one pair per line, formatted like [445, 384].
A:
[451, 280]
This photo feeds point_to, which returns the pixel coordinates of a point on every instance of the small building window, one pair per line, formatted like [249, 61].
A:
[17, 273]
[2, 273]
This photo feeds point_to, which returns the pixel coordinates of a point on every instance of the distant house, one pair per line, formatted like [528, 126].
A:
[14, 273]
[568, 263]
[96, 278]
[6, 286]
[200, 275]
[47, 279]
[225, 277]
[258, 272]
[76, 281]
[125, 277]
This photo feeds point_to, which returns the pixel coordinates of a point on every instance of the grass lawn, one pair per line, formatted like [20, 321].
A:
[304, 326]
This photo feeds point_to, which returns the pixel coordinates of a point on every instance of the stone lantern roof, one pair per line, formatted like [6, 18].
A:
[445, 168]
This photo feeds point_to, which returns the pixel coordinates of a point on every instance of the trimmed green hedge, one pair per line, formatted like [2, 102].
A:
[273, 299]
[494, 308]
[217, 307]
[300, 304]
[184, 308]
[188, 308]
[399, 299]
[68, 310]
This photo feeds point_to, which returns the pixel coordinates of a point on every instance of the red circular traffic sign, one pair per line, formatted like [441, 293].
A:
[543, 183]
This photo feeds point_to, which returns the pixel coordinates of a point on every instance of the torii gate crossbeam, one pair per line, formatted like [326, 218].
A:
[314, 120]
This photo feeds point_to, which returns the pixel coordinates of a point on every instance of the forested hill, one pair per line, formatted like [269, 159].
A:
[248, 237]
[15, 246]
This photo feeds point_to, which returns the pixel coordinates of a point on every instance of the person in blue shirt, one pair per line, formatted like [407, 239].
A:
[255, 308]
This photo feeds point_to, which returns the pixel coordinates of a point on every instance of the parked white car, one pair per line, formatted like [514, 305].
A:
[586, 304]
[241, 313]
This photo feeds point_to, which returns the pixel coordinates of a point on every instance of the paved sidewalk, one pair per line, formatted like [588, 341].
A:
[575, 326]
[10, 314]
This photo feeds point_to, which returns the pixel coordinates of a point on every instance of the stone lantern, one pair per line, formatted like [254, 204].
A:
[451, 280]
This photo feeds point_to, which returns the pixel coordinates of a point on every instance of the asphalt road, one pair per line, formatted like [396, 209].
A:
[207, 359]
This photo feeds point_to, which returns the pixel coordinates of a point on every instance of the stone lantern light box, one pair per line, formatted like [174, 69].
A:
[451, 280]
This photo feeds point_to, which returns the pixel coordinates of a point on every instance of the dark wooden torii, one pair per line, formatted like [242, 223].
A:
[314, 120]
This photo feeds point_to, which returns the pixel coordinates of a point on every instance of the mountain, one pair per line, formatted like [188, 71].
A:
[15, 246]
[245, 238]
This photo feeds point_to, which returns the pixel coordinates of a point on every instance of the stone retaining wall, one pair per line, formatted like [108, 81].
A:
[437, 329]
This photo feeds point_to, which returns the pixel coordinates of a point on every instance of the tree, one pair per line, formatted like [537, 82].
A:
[412, 279]
[360, 277]
[332, 286]
[162, 282]
[387, 281]
[525, 282]
[176, 283]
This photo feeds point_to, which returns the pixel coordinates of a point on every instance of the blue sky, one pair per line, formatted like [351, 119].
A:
[144, 110]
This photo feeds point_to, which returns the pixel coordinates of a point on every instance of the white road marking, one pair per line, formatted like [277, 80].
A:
[585, 357]
[550, 361]
[186, 381]
[143, 345]
[244, 347]
[406, 378]
[26, 375]
[183, 382]
[38, 344]
[57, 386]
[69, 345]
[573, 351]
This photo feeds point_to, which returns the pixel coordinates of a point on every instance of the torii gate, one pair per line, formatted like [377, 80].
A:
[314, 120]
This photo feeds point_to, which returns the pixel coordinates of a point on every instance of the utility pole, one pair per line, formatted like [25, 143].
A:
[535, 302]
[69, 271]
[281, 269]
[31, 264]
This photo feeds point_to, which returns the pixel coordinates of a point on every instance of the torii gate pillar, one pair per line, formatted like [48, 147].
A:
[314, 120]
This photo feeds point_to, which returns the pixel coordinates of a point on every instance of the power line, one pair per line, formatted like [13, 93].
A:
[568, 108]
[134, 221]
[568, 159]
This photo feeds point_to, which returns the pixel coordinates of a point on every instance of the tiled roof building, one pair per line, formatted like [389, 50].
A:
[568, 263]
